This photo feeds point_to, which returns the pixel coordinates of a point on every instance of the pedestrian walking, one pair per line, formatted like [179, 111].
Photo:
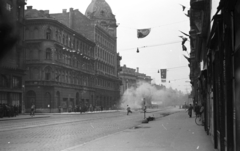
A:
[80, 109]
[59, 109]
[32, 113]
[128, 110]
[190, 108]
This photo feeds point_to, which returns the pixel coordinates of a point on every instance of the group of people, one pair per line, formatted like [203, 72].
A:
[198, 109]
[9, 110]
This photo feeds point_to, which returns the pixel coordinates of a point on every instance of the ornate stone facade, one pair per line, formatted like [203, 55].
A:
[59, 64]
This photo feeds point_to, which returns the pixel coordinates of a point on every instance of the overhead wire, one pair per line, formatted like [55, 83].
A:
[153, 26]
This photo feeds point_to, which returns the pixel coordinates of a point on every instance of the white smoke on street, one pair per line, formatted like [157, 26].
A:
[133, 97]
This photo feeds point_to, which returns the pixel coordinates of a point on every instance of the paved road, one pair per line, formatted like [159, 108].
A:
[59, 132]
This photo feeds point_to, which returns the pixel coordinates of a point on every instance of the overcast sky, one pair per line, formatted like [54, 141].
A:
[162, 46]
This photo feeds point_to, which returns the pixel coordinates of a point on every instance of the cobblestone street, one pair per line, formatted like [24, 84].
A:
[59, 132]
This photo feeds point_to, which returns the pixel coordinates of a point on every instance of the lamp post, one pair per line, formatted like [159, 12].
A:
[144, 108]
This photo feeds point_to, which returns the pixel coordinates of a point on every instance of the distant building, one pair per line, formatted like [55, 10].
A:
[59, 63]
[131, 77]
[141, 77]
[128, 77]
[11, 45]
[99, 25]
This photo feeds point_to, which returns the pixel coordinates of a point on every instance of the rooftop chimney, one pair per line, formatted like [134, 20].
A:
[137, 70]
[29, 7]
[64, 10]
[46, 11]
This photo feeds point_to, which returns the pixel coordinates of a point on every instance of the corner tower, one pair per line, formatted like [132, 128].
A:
[101, 13]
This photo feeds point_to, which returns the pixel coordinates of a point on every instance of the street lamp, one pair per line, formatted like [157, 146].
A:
[144, 108]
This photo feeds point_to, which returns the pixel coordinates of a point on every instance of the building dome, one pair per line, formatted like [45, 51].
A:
[99, 9]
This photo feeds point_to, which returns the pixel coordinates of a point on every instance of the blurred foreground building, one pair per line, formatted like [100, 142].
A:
[215, 68]
[11, 47]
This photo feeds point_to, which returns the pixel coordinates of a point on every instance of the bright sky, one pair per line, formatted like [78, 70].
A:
[163, 45]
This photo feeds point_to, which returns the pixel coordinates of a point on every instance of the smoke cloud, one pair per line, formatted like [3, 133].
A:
[153, 95]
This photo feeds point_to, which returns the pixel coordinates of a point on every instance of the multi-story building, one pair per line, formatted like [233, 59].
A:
[99, 25]
[11, 67]
[143, 78]
[128, 77]
[215, 67]
[131, 78]
[59, 63]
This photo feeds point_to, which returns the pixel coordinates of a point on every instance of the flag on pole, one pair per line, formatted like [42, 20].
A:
[163, 75]
[184, 48]
[141, 33]
[183, 7]
[188, 59]
[184, 39]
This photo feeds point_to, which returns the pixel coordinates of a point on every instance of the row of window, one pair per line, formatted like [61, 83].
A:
[60, 76]
[105, 68]
[105, 55]
[14, 82]
[67, 77]
[100, 39]
[105, 83]
[74, 61]
[62, 37]
[63, 57]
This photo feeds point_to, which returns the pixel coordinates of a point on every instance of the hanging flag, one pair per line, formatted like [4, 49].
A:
[188, 59]
[184, 48]
[183, 6]
[137, 50]
[184, 39]
[141, 33]
[163, 75]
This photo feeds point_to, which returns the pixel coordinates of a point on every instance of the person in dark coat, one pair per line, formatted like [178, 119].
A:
[190, 108]
[128, 110]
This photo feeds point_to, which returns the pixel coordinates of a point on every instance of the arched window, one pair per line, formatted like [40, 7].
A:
[48, 71]
[35, 35]
[60, 36]
[30, 55]
[27, 33]
[56, 37]
[63, 39]
[48, 33]
[48, 53]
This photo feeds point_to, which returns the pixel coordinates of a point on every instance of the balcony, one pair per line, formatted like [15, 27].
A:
[197, 4]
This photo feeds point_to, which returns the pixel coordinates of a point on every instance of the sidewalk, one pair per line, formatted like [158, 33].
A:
[45, 115]
[176, 132]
